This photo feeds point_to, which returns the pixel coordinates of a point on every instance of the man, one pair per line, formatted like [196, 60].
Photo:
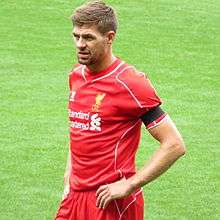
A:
[109, 100]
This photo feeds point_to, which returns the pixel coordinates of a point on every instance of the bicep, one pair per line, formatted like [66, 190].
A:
[166, 131]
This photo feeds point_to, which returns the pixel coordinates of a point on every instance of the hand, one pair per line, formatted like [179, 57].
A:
[106, 193]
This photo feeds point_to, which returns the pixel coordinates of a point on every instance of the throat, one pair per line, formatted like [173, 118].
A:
[97, 67]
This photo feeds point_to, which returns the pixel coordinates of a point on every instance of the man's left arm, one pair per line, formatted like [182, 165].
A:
[171, 148]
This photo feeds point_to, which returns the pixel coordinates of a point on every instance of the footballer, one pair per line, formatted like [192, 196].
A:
[109, 101]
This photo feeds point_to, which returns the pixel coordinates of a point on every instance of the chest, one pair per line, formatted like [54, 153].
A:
[97, 106]
[96, 98]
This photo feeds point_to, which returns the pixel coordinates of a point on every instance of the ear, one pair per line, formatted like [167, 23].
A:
[110, 37]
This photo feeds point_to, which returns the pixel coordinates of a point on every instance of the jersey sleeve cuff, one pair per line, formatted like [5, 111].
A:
[156, 122]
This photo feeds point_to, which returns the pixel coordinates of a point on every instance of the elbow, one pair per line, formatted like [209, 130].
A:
[176, 147]
[179, 147]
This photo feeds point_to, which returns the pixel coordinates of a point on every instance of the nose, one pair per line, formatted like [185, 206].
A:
[80, 44]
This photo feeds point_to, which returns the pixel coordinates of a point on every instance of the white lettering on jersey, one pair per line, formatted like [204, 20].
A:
[79, 125]
[92, 122]
[80, 115]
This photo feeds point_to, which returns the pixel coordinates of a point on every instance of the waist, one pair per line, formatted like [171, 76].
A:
[78, 183]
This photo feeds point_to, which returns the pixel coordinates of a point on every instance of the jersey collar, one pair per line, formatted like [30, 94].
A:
[95, 75]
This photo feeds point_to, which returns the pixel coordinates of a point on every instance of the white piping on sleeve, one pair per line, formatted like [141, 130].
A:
[156, 124]
[131, 93]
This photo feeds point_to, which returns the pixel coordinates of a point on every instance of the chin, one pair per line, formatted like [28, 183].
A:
[83, 62]
[86, 62]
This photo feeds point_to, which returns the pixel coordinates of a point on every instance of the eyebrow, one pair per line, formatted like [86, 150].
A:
[75, 34]
[83, 35]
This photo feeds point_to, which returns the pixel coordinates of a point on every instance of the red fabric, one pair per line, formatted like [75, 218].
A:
[156, 122]
[104, 111]
[82, 206]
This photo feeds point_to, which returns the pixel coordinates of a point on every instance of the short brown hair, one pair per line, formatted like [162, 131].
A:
[98, 13]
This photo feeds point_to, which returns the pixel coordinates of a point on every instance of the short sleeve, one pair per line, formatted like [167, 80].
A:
[143, 96]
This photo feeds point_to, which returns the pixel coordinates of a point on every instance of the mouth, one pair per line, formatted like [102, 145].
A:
[83, 55]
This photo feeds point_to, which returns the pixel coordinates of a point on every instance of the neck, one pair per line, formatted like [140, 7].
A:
[106, 62]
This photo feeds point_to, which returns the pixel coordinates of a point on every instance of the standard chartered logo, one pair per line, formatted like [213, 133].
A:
[95, 123]
[91, 122]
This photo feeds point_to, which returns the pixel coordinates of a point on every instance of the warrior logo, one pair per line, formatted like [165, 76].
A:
[72, 96]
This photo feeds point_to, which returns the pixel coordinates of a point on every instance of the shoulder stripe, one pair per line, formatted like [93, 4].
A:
[131, 93]
[75, 69]
[83, 73]
[113, 71]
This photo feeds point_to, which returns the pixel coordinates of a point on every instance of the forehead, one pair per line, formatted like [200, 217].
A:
[86, 29]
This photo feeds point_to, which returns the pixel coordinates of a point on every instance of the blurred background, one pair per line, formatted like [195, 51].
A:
[176, 43]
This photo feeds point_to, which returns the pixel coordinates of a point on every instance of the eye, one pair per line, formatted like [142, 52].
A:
[76, 37]
[88, 37]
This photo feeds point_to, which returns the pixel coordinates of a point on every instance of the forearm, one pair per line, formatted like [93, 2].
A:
[171, 148]
[161, 160]
[68, 168]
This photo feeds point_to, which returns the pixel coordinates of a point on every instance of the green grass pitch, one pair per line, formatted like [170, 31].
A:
[175, 42]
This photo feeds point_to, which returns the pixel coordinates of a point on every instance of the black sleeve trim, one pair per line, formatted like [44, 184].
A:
[152, 115]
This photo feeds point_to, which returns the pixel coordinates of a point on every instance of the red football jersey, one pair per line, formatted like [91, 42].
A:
[105, 124]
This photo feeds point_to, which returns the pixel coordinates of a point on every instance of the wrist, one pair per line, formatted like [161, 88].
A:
[135, 182]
